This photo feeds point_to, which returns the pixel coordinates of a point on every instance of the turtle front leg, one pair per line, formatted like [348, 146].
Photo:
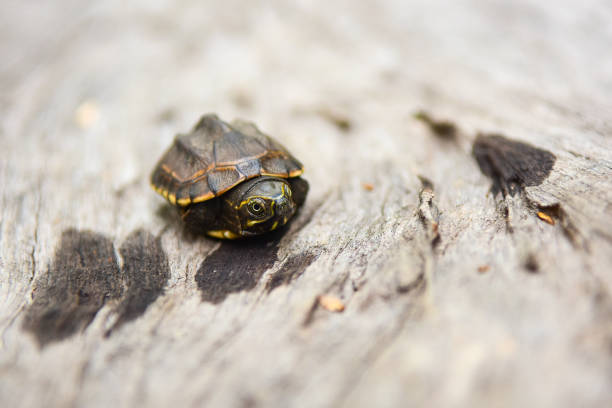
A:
[203, 217]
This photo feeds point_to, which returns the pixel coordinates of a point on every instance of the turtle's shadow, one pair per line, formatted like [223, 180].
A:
[172, 220]
[167, 214]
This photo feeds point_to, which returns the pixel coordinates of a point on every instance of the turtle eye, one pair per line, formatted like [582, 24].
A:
[257, 207]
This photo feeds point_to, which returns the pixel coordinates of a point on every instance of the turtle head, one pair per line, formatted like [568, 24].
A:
[265, 205]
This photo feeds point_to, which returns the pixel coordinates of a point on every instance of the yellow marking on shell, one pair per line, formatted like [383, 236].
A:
[184, 201]
[200, 173]
[282, 175]
[223, 234]
[293, 173]
[164, 193]
[167, 169]
[296, 173]
[274, 226]
[204, 197]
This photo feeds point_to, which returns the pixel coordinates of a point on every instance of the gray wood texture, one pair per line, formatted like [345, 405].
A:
[404, 281]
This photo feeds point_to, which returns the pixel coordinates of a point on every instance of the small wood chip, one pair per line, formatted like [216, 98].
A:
[331, 303]
[86, 114]
[483, 268]
[368, 186]
[546, 218]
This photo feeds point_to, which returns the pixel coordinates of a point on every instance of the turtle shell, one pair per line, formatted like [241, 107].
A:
[217, 156]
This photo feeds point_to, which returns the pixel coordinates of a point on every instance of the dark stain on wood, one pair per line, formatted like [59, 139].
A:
[292, 269]
[310, 315]
[531, 263]
[167, 214]
[340, 121]
[426, 184]
[511, 163]
[417, 286]
[167, 115]
[145, 271]
[83, 276]
[444, 129]
[236, 266]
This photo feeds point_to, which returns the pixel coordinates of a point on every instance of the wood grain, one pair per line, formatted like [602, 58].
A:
[456, 287]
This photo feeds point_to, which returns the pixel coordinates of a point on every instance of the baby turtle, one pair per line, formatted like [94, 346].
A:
[230, 180]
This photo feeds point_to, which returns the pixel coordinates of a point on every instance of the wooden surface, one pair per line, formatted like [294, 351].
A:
[429, 267]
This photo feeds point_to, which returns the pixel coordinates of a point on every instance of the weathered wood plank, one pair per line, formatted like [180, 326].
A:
[440, 291]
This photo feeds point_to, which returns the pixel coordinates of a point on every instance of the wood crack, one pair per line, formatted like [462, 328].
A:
[429, 214]
[35, 238]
